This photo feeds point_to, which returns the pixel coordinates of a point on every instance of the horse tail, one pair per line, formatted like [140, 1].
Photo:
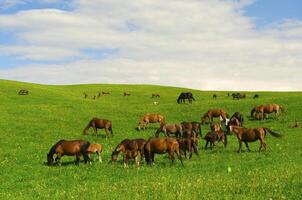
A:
[272, 132]
[225, 140]
[87, 127]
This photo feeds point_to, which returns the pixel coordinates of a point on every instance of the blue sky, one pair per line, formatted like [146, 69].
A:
[139, 42]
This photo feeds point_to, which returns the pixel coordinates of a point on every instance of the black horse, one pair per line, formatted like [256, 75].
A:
[238, 96]
[185, 95]
[256, 96]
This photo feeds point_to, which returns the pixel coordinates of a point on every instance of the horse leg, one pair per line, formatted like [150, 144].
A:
[86, 158]
[247, 146]
[206, 144]
[178, 155]
[240, 144]
[190, 150]
[99, 156]
[136, 161]
[107, 133]
[78, 156]
[58, 159]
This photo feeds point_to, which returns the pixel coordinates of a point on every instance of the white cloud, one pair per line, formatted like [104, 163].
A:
[201, 44]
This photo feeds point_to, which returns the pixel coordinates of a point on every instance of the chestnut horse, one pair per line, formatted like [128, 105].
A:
[215, 136]
[267, 109]
[167, 129]
[95, 148]
[75, 148]
[150, 118]
[210, 114]
[130, 149]
[215, 127]
[96, 123]
[192, 126]
[161, 146]
[188, 144]
[251, 135]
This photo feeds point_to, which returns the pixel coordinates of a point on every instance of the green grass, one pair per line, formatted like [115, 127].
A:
[30, 125]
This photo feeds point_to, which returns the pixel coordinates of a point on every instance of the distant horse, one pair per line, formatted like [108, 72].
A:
[95, 148]
[185, 95]
[210, 114]
[161, 146]
[99, 95]
[214, 96]
[129, 148]
[238, 96]
[192, 126]
[215, 136]
[85, 95]
[267, 109]
[296, 124]
[23, 92]
[75, 148]
[150, 118]
[96, 123]
[155, 96]
[251, 135]
[126, 94]
[238, 116]
[168, 129]
[188, 144]
[256, 96]
[104, 93]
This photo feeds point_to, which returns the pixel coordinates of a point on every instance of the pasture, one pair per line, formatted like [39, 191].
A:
[31, 124]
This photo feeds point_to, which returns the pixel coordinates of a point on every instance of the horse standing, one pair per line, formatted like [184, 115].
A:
[210, 114]
[75, 148]
[215, 136]
[95, 148]
[251, 135]
[267, 109]
[97, 123]
[150, 118]
[126, 94]
[185, 95]
[167, 129]
[155, 96]
[192, 126]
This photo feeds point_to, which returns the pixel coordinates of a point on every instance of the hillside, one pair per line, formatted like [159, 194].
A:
[31, 124]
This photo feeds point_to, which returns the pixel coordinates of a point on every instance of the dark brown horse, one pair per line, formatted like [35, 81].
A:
[130, 149]
[155, 96]
[185, 95]
[105, 93]
[96, 123]
[210, 114]
[95, 148]
[75, 148]
[214, 96]
[192, 126]
[150, 118]
[161, 146]
[168, 129]
[126, 94]
[215, 136]
[267, 109]
[188, 144]
[251, 135]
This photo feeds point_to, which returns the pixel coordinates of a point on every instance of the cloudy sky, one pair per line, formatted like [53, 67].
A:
[202, 44]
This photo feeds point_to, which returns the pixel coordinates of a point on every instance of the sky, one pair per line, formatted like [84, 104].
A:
[200, 44]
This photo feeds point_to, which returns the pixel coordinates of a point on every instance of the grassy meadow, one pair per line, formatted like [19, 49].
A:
[30, 125]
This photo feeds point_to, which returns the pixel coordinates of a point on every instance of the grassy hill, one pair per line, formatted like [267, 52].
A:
[30, 125]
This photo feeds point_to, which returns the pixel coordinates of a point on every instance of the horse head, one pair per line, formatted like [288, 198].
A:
[49, 159]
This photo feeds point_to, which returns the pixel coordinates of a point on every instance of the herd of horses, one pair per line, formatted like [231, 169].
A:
[179, 138]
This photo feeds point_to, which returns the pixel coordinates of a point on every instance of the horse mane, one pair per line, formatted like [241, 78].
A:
[55, 146]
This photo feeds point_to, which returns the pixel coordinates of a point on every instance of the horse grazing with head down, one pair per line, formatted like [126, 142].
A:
[95, 148]
[251, 135]
[130, 149]
[211, 113]
[162, 146]
[75, 148]
[192, 126]
[150, 118]
[185, 95]
[155, 95]
[267, 109]
[168, 129]
[215, 136]
[96, 123]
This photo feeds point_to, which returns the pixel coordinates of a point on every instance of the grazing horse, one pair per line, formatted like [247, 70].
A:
[155, 96]
[105, 92]
[150, 118]
[251, 135]
[96, 123]
[188, 144]
[296, 125]
[126, 94]
[95, 148]
[185, 95]
[214, 96]
[256, 96]
[23, 92]
[130, 149]
[192, 126]
[210, 114]
[162, 146]
[214, 136]
[267, 109]
[167, 129]
[85, 95]
[238, 96]
[75, 148]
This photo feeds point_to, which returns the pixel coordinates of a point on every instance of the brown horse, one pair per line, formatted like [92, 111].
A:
[96, 123]
[95, 148]
[130, 149]
[75, 148]
[267, 109]
[167, 129]
[215, 127]
[155, 96]
[210, 114]
[150, 118]
[296, 124]
[188, 144]
[192, 126]
[215, 136]
[126, 94]
[161, 146]
[105, 93]
[251, 135]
